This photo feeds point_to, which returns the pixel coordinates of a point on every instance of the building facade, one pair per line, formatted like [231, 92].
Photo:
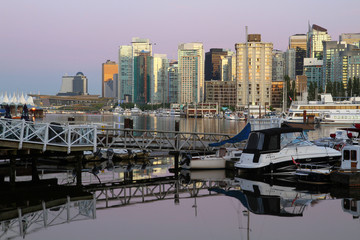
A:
[221, 92]
[290, 63]
[278, 66]
[315, 37]
[160, 84]
[213, 63]
[313, 71]
[143, 77]
[350, 38]
[109, 68]
[333, 62]
[174, 83]
[277, 95]
[228, 67]
[297, 40]
[191, 72]
[125, 77]
[74, 85]
[257, 57]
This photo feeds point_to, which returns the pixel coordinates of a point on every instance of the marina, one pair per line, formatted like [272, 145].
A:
[128, 194]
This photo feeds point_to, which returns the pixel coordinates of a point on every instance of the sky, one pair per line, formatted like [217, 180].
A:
[42, 40]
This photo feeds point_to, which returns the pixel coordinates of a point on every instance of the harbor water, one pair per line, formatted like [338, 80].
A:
[197, 205]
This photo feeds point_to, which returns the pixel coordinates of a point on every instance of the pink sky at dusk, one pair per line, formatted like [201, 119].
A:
[43, 40]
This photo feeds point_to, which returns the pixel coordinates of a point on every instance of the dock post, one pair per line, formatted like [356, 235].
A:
[34, 172]
[78, 171]
[12, 171]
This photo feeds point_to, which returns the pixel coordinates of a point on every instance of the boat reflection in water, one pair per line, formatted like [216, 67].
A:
[265, 199]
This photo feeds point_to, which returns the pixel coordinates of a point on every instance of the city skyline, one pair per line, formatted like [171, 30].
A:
[42, 41]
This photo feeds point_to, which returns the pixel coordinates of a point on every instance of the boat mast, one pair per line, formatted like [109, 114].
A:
[247, 71]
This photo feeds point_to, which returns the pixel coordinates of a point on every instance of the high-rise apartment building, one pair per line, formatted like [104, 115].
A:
[333, 62]
[297, 40]
[213, 63]
[125, 89]
[315, 37]
[143, 77]
[174, 83]
[278, 66]
[228, 67]
[290, 63]
[191, 72]
[139, 45]
[108, 70]
[353, 63]
[160, 84]
[127, 54]
[313, 71]
[350, 38]
[257, 57]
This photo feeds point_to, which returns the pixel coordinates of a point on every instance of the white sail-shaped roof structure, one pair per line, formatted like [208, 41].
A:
[5, 99]
[22, 100]
[30, 101]
[13, 100]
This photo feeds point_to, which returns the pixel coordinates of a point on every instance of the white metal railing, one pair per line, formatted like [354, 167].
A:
[29, 221]
[48, 134]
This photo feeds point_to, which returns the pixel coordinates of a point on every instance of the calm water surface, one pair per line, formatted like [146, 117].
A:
[236, 208]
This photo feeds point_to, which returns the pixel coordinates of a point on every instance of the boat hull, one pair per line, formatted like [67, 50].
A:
[287, 165]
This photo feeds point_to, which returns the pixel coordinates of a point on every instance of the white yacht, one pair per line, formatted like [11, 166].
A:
[118, 110]
[280, 150]
[136, 111]
[327, 110]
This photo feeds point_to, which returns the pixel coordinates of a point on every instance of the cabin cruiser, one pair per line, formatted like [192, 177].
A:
[350, 164]
[280, 150]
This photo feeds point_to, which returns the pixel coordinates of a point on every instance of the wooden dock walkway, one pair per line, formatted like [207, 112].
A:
[20, 134]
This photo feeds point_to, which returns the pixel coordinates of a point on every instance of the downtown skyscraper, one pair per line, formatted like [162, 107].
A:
[191, 72]
[257, 85]
[127, 67]
[315, 37]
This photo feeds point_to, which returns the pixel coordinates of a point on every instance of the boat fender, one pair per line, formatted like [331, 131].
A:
[271, 167]
[186, 159]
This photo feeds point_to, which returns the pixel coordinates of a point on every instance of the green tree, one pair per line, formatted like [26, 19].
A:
[356, 87]
[349, 88]
[311, 92]
[329, 87]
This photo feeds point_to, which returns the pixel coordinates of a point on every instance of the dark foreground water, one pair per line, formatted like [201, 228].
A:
[197, 205]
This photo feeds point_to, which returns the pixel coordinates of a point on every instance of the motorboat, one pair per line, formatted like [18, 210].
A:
[118, 110]
[347, 173]
[280, 150]
[135, 111]
[213, 161]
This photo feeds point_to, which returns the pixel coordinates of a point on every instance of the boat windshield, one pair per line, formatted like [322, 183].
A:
[256, 141]
[291, 138]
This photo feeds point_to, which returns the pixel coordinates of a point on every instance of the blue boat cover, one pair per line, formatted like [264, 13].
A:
[233, 193]
[243, 135]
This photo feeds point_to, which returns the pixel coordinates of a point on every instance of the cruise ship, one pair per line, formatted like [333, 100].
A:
[327, 110]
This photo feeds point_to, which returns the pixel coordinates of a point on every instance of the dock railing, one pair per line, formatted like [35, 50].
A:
[47, 134]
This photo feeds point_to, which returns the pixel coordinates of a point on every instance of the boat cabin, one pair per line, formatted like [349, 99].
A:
[350, 157]
[273, 139]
